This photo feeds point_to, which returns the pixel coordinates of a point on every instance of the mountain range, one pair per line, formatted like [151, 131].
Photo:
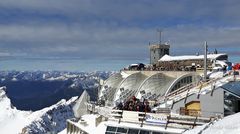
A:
[40, 102]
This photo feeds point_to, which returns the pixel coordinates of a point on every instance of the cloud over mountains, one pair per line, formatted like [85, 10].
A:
[117, 29]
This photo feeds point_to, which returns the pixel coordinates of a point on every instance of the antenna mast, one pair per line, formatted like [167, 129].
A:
[160, 36]
[205, 61]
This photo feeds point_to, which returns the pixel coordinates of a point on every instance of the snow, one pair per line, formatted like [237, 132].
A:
[63, 132]
[62, 77]
[57, 78]
[11, 119]
[14, 79]
[124, 74]
[50, 119]
[91, 122]
[229, 124]
[133, 64]
[216, 75]
[196, 129]
[188, 57]
[87, 123]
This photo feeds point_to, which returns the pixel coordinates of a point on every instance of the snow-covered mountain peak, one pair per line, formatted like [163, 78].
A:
[2, 92]
[11, 119]
[7, 111]
[49, 119]
[39, 90]
[62, 103]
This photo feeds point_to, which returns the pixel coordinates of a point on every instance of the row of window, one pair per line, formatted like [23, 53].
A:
[183, 82]
[186, 80]
[120, 130]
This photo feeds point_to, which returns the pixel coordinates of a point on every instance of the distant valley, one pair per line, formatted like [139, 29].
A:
[34, 90]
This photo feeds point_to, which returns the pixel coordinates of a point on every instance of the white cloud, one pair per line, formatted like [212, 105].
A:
[59, 39]
[125, 10]
[94, 28]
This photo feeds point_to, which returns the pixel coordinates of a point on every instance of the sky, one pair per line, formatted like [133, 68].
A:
[75, 34]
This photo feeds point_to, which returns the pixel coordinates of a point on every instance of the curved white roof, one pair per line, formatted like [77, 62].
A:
[155, 85]
[133, 83]
[129, 86]
[110, 86]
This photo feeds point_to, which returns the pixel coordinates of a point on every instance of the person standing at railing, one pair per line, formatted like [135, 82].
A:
[224, 69]
[120, 106]
[146, 106]
[141, 107]
[229, 68]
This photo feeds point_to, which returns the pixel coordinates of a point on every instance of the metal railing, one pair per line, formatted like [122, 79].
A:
[165, 120]
[189, 89]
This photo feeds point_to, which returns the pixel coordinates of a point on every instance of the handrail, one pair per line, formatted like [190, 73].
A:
[161, 119]
[180, 90]
[189, 86]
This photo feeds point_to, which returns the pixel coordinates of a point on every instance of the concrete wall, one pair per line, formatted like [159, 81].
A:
[210, 105]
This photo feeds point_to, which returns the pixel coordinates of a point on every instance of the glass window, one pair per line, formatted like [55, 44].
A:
[181, 81]
[112, 129]
[222, 57]
[178, 85]
[157, 133]
[122, 130]
[144, 132]
[109, 132]
[133, 131]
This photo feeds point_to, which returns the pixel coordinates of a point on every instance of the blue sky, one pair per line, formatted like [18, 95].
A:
[114, 30]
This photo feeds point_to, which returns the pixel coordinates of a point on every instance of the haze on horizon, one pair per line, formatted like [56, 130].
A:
[36, 34]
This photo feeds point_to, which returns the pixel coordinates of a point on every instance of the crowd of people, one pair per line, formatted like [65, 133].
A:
[134, 104]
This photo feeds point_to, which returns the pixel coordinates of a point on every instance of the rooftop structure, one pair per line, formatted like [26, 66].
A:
[157, 51]
[192, 62]
[153, 102]
[143, 84]
[211, 57]
[181, 109]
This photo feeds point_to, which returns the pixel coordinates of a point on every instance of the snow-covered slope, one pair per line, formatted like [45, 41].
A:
[228, 125]
[11, 119]
[50, 119]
